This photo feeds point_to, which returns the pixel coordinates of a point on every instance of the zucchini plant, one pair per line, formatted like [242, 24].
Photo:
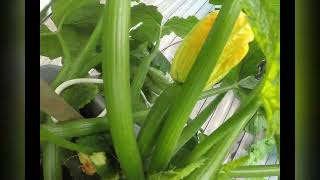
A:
[145, 131]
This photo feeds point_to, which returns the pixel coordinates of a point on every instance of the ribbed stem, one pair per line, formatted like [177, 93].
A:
[84, 127]
[255, 171]
[154, 120]
[115, 66]
[51, 162]
[47, 136]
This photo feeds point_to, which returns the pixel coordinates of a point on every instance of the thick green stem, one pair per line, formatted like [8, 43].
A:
[194, 84]
[255, 171]
[51, 162]
[140, 76]
[83, 127]
[77, 128]
[151, 127]
[115, 66]
[47, 136]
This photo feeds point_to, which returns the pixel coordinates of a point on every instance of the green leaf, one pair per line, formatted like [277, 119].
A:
[49, 43]
[264, 18]
[83, 13]
[86, 16]
[275, 6]
[78, 18]
[177, 174]
[80, 95]
[270, 94]
[161, 63]
[249, 82]
[180, 26]
[73, 38]
[148, 19]
[258, 122]
[273, 126]
[146, 24]
[260, 150]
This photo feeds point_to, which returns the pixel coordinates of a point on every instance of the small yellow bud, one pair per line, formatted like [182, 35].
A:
[89, 163]
[235, 50]
[99, 158]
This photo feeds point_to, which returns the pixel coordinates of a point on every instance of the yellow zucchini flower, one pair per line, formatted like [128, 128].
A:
[234, 51]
